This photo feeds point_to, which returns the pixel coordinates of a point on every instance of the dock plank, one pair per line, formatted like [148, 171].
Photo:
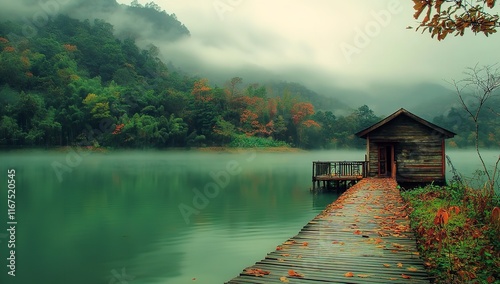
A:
[364, 233]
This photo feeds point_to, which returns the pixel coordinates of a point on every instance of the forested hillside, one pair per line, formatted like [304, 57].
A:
[458, 121]
[76, 83]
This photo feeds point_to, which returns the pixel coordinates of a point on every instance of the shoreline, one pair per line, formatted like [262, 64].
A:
[211, 149]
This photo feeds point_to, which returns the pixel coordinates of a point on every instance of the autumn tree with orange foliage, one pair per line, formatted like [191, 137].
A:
[201, 90]
[443, 17]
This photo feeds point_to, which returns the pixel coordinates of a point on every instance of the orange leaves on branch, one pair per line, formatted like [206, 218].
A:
[201, 90]
[70, 48]
[419, 6]
[445, 17]
[118, 129]
[300, 111]
[9, 49]
[248, 116]
[272, 107]
[308, 123]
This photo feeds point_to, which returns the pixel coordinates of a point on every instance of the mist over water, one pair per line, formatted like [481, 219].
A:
[117, 216]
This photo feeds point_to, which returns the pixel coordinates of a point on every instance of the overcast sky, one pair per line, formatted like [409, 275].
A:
[347, 43]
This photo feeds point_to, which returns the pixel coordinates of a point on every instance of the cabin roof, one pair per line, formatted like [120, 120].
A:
[363, 133]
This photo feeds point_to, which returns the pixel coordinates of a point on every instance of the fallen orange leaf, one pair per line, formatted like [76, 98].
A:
[405, 276]
[256, 272]
[442, 217]
[358, 232]
[349, 274]
[363, 275]
[413, 269]
[305, 244]
[454, 209]
[400, 264]
[293, 273]
[387, 265]
[284, 279]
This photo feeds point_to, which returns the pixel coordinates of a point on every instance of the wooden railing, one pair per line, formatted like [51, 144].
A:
[339, 169]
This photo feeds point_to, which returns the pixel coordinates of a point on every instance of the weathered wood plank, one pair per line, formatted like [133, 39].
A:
[365, 232]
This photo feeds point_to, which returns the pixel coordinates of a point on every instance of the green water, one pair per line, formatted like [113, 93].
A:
[157, 217]
[116, 217]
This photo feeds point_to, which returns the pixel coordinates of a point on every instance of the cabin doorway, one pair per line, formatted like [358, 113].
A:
[386, 164]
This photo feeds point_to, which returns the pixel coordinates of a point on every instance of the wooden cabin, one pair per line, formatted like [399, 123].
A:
[407, 148]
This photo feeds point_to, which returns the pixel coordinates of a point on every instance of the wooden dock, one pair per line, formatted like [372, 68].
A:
[362, 237]
[337, 174]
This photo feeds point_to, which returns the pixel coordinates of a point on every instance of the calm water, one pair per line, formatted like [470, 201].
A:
[158, 217]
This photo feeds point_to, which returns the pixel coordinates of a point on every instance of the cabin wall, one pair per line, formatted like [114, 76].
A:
[418, 150]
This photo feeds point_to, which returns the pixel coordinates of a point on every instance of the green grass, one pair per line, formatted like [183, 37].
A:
[243, 141]
[466, 247]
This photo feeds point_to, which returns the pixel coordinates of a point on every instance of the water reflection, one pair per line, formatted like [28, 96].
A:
[116, 216]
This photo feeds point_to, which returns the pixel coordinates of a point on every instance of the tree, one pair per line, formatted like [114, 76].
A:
[366, 117]
[233, 85]
[480, 85]
[443, 17]
[10, 132]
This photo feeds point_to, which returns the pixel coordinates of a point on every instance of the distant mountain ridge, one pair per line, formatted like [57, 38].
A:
[130, 21]
[301, 92]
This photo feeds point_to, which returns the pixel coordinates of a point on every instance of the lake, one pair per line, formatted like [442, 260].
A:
[159, 216]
